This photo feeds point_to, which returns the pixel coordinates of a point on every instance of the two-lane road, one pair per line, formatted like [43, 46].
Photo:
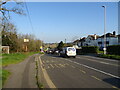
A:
[81, 72]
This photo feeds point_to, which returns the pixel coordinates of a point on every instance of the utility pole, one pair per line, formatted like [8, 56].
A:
[65, 41]
[104, 29]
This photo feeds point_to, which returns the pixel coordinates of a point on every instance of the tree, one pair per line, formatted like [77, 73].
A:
[60, 45]
[8, 30]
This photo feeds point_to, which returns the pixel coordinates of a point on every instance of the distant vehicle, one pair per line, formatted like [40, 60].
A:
[68, 52]
[50, 51]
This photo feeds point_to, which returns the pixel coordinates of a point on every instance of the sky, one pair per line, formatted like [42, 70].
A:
[56, 21]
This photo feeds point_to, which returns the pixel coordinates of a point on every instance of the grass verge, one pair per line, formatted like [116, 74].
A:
[14, 58]
[109, 56]
[5, 74]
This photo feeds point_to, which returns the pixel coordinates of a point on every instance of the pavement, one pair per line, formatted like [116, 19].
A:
[81, 72]
[22, 74]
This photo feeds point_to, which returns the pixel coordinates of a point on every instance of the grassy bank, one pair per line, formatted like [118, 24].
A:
[13, 58]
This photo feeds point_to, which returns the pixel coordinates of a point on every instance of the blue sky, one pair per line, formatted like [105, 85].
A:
[57, 21]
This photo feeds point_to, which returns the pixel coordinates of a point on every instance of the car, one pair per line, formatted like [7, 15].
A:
[68, 52]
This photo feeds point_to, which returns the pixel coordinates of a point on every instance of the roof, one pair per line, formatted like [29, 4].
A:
[109, 35]
[93, 36]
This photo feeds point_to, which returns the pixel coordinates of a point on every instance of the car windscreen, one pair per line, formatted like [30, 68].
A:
[71, 49]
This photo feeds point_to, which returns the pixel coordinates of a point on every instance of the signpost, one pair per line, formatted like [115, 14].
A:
[26, 41]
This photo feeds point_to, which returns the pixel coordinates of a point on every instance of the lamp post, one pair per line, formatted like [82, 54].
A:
[104, 29]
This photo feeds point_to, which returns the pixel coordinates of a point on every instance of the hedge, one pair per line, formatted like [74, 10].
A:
[114, 49]
[89, 49]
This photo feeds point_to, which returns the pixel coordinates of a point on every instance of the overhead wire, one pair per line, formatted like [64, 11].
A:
[29, 16]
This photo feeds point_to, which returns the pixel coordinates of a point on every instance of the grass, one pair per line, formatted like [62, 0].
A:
[110, 56]
[12, 58]
[5, 74]
[100, 52]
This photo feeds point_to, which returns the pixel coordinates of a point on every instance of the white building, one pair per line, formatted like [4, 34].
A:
[91, 40]
[111, 39]
[95, 40]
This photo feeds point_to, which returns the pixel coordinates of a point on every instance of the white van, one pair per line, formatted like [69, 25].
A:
[68, 52]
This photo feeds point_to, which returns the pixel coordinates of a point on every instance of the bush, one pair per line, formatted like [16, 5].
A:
[90, 49]
[114, 49]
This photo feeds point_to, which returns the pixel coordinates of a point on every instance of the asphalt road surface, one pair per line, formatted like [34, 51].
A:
[82, 71]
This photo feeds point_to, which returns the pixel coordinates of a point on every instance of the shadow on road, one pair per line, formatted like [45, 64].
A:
[113, 81]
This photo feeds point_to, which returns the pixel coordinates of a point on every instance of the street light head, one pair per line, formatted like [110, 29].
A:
[103, 6]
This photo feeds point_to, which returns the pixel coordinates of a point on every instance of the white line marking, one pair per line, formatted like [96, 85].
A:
[97, 70]
[101, 62]
[104, 63]
[101, 58]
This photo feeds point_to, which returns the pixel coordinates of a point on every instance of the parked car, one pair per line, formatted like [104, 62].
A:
[68, 52]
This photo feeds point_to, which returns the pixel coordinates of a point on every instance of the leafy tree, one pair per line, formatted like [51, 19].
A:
[60, 45]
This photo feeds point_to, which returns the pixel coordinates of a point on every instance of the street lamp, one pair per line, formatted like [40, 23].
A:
[104, 29]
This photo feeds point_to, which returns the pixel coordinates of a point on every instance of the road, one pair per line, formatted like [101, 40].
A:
[81, 72]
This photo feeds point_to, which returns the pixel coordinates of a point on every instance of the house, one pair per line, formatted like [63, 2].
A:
[111, 39]
[80, 42]
[119, 39]
[91, 40]
[95, 40]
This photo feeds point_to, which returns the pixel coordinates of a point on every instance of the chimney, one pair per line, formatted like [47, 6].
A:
[95, 36]
[114, 33]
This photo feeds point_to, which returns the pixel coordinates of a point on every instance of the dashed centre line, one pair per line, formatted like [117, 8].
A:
[96, 78]
[82, 71]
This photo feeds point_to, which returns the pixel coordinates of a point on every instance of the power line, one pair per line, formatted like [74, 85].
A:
[29, 16]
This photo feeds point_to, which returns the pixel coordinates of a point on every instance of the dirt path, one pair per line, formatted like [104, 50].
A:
[23, 74]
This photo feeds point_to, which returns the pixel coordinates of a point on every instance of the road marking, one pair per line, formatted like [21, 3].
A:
[72, 66]
[47, 78]
[104, 63]
[96, 69]
[96, 78]
[61, 65]
[82, 71]
[100, 61]
[51, 65]
[56, 65]
[115, 87]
